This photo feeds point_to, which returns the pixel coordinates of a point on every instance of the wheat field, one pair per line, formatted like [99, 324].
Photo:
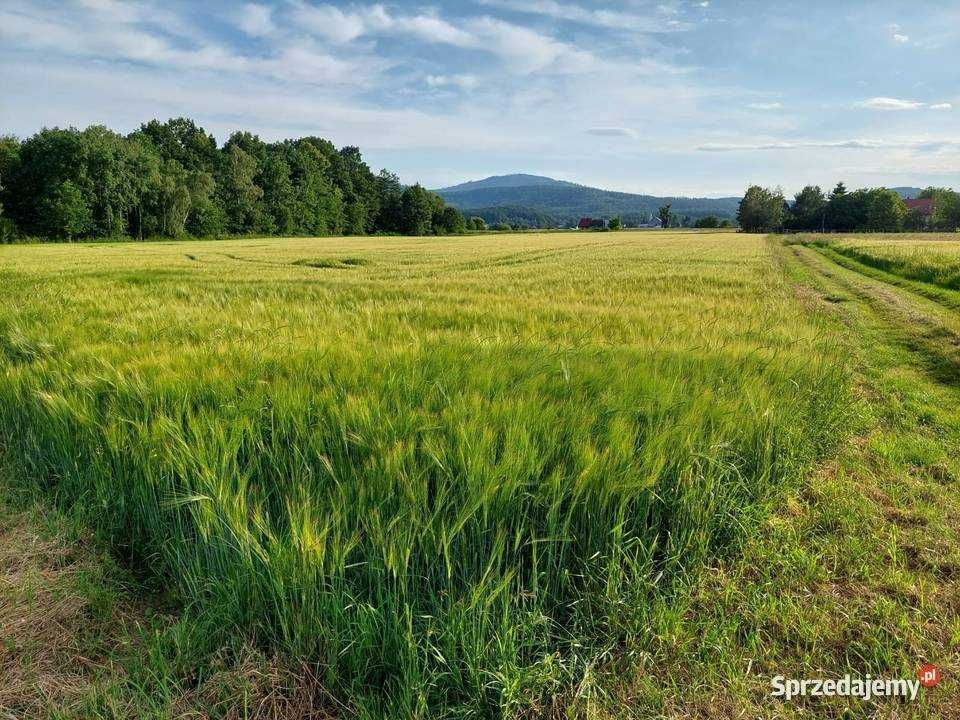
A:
[452, 473]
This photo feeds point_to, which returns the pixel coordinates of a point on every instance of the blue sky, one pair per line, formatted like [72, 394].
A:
[667, 97]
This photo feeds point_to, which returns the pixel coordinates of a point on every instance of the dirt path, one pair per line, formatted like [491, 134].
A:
[918, 322]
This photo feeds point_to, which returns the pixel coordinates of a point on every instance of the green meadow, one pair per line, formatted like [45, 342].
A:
[451, 475]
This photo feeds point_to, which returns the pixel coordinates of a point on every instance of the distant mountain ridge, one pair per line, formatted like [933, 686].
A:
[521, 197]
[504, 181]
[908, 193]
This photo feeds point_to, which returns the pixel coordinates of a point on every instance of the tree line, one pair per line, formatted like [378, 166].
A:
[172, 179]
[864, 210]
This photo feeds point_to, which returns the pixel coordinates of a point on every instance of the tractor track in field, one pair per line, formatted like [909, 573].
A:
[930, 330]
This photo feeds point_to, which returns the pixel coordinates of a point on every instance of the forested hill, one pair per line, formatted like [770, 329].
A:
[565, 202]
[172, 179]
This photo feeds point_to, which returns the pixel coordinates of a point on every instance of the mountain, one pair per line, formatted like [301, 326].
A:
[520, 197]
[907, 193]
[507, 181]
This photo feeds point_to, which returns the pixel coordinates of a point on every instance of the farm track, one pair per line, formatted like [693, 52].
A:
[943, 296]
[924, 326]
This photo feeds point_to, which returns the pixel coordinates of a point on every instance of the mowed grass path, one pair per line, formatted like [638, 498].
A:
[450, 473]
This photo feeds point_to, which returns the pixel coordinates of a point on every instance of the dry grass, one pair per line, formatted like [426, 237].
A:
[43, 620]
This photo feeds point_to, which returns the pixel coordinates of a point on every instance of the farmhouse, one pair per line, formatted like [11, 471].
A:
[922, 206]
[920, 210]
[590, 223]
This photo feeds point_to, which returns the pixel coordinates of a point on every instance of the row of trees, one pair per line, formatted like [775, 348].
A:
[172, 179]
[669, 219]
[865, 210]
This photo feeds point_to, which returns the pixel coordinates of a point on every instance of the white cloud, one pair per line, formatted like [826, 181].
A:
[338, 26]
[104, 40]
[613, 132]
[885, 103]
[256, 20]
[926, 145]
[765, 106]
[523, 50]
[341, 26]
[526, 51]
[599, 17]
[433, 29]
[897, 37]
[462, 81]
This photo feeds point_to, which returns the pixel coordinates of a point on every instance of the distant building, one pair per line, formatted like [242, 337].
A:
[922, 206]
[590, 223]
[919, 212]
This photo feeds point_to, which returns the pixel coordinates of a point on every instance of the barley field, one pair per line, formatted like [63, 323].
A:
[933, 259]
[451, 473]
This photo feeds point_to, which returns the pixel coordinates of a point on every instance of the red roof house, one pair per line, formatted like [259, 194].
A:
[924, 206]
[590, 223]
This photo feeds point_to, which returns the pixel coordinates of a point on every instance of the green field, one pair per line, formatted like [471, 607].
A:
[494, 476]
[451, 472]
[913, 257]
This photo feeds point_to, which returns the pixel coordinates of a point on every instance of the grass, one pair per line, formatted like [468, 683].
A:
[933, 259]
[453, 476]
[857, 571]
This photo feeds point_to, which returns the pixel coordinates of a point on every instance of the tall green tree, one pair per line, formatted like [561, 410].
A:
[664, 215]
[142, 171]
[390, 192]
[206, 218]
[67, 212]
[946, 208]
[168, 200]
[240, 195]
[183, 140]
[416, 211]
[847, 211]
[761, 210]
[809, 209]
[9, 162]
[885, 211]
[448, 221]
[279, 195]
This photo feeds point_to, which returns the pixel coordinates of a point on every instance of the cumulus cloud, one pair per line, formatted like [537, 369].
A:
[941, 106]
[902, 39]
